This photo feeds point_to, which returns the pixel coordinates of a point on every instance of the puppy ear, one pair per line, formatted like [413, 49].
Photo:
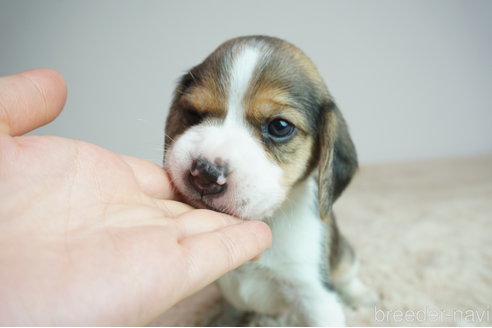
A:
[338, 158]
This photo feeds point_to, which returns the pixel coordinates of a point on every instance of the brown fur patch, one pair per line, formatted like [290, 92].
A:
[294, 170]
[205, 101]
[269, 102]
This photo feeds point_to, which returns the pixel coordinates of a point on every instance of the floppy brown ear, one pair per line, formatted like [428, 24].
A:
[338, 158]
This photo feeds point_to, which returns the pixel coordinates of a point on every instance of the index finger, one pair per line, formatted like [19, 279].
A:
[30, 99]
[212, 254]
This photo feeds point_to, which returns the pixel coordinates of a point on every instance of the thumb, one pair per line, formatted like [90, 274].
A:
[30, 99]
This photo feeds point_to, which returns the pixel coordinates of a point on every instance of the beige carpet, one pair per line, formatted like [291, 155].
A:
[423, 232]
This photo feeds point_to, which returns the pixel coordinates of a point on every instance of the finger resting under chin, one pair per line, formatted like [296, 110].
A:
[214, 253]
[202, 221]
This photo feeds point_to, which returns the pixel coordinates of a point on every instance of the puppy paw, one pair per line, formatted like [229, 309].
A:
[356, 294]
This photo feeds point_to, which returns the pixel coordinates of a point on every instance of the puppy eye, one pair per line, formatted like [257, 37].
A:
[193, 117]
[280, 129]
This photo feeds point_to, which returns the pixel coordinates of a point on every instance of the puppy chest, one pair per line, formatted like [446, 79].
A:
[283, 272]
[251, 288]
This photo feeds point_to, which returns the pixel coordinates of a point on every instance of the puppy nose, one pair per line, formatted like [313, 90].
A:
[209, 178]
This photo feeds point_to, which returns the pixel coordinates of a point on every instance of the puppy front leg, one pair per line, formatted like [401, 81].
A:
[344, 268]
[352, 290]
[315, 307]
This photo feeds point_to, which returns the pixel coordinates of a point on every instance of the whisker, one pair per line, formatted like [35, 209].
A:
[169, 137]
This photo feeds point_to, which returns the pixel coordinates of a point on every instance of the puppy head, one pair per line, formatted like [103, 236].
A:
[249, 123]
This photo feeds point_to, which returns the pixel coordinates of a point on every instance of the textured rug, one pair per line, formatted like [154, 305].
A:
[423, 233]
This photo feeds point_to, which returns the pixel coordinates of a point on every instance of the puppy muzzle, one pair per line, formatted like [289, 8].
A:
[209, 178]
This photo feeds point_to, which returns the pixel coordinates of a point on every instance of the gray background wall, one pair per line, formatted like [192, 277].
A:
[413, 78]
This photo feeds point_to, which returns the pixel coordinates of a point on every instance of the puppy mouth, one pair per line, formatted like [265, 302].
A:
[193, 198]
[188, 195]
[204, 204]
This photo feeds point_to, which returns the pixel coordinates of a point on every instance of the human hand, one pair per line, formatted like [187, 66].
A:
[91, 237]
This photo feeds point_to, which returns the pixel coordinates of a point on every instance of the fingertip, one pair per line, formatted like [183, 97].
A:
[52, 86]
[31, 99]
[262, 232]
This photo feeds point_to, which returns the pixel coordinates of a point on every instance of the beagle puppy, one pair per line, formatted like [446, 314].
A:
[253, 132]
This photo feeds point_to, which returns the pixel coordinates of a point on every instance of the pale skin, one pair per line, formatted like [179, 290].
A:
[91, 237]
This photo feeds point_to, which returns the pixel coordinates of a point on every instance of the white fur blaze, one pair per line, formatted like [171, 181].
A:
[240, 76]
